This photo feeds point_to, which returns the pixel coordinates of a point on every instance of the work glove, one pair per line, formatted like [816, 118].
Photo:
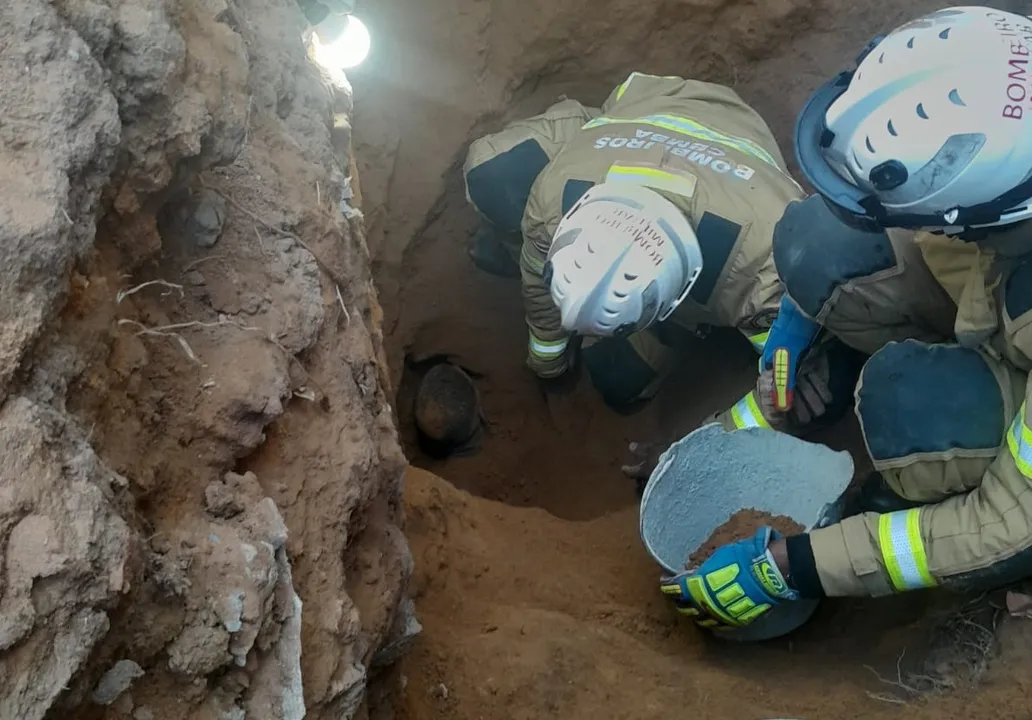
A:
[735, 586]
[789, 338]
[811, 396]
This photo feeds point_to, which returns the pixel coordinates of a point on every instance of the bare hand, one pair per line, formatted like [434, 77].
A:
[644, 456]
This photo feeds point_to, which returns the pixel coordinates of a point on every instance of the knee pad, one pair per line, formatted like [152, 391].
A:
[499, 184]
[815, 253]
[921, 399]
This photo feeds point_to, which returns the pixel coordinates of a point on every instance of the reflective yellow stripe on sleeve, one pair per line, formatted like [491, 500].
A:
[759, 340]
[546, 349]
[1019, 440]
[903, 550]
[691, 128]
[746, 414]
[677, 183]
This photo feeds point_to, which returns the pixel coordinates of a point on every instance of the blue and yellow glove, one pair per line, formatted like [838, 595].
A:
[789, 338]
[737, 584]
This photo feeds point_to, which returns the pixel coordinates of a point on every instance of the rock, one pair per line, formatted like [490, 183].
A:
[194, 278]
[142, 713]
[199, 650]
[404, 631]
[205, 223]
[64, 560]
[221, 501]
[116, 681]
[57, 148]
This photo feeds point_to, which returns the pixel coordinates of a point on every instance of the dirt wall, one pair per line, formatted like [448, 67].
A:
[199, 476]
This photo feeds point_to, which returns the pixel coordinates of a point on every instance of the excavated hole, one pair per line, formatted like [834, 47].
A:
[544, 603]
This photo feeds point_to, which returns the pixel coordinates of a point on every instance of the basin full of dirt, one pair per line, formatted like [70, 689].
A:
[741, 525]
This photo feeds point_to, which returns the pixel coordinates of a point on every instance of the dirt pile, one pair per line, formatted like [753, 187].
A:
[199, 475]
[743, 524]
[528, 616]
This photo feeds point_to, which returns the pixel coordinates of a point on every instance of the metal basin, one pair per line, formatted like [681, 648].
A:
[710, 474]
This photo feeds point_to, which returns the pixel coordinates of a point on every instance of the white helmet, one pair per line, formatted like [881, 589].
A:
[622, 257]
[933, 129]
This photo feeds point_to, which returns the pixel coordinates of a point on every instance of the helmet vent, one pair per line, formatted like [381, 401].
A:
[955, 98]
[620, 294]
[591, 249]
[567, 278]
[910, 43]
[870, 147]
[921, 111]
[629, 277]
[881, 58]
[610, 312]
[945, 34]
[857, 161]
[577, 264]
[891, 128]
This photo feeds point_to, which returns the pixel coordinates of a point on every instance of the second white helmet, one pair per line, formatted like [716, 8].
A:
[622, 258]
[933, 129]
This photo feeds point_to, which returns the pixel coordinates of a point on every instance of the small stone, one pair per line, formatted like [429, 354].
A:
[142, 713]
[221, 501]
[116, 681]
[194, 277]
[209, 214]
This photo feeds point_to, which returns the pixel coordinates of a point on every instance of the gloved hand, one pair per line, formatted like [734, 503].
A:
[810, 399]
[735, 586]
[789, 338]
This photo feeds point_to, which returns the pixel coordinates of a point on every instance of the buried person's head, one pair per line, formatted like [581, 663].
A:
[447, 412]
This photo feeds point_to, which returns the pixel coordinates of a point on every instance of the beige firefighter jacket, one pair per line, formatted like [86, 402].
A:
[700, 146]
[980, 518]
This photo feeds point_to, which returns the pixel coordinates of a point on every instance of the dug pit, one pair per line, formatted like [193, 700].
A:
[535, 595]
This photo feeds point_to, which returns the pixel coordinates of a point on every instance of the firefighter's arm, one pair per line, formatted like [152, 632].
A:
[501, 168]
[548, 345]
[979, 539]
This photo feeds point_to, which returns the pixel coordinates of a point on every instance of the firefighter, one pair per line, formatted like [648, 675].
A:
[633, 226]
[918, 250]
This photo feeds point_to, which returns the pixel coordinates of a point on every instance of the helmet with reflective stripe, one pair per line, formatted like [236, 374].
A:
[622, 258]
[933, 128]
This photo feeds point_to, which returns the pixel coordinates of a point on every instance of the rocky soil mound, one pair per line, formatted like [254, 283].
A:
[199, 475]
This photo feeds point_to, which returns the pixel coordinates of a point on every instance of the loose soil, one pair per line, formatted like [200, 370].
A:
[741, 525]
[535, 594]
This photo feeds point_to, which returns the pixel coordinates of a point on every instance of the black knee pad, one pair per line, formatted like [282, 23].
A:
[618, 373]
[917, 397]
[815, 253]
[1017, 296]
[499, 188]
